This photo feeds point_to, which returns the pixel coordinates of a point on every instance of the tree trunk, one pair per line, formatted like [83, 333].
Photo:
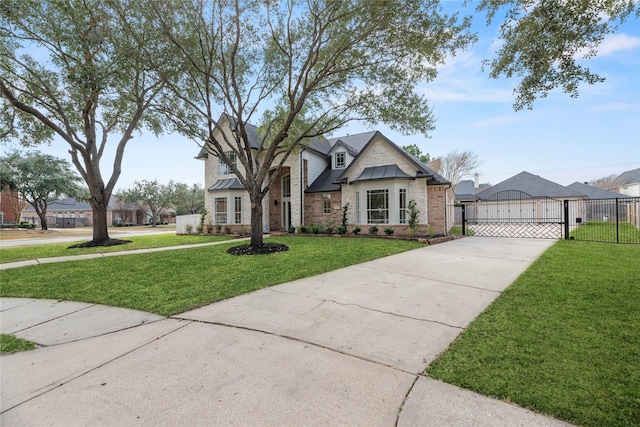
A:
[43, 220]
[99, 204]
[256, 220]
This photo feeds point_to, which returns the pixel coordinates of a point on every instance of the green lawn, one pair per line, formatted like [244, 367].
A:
[12, 344]
[174, 281]
[22, 253]
[564, 339]
[599, 231]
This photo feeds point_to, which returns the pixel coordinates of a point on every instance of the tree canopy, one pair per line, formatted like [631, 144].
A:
[39, 179]
[300, 70]
[543, 42]
[69, 71]
[150, 195]
[415, 151]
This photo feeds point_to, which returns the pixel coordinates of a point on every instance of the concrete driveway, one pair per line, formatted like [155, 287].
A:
[344, 348]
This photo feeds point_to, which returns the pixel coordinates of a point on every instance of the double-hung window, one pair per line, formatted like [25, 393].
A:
[326, 203]
[378, 206]
[220, 210]
[223, 168]
[237, 210]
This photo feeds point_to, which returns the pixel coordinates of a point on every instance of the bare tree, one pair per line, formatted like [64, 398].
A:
[306, 67]
[456, 165]
[606, 182]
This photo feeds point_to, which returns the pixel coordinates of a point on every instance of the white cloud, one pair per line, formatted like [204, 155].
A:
[617, 43]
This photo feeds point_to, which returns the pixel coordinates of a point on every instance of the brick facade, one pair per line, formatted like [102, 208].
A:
[314, 209]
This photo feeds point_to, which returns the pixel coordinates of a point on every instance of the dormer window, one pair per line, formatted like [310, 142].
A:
[340, 160]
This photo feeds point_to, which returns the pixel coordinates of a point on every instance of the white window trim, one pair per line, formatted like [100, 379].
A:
[344, 160]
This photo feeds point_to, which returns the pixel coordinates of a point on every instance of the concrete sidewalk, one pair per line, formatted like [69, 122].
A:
[343, 348]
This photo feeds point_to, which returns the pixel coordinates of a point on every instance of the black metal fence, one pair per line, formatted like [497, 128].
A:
[606, 220]
[516, 214]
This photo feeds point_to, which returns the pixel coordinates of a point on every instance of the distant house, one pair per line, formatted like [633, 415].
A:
[69, 213]
[594, 192]
[628, 183]
[466, 190]
[367, 171]
[8, 199]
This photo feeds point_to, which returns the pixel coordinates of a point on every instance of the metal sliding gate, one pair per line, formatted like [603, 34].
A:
[514, 213]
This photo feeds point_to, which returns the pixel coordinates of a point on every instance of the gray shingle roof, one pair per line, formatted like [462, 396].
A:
[465, 191]
[382, 172]
[325, 182]
[226, 184]
[629, 177]
[531, 184]
[594, 192]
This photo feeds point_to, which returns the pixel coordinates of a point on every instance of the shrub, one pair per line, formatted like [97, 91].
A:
[303, 229]
[373, 230]
[329, 229]
[218, 228]
[342, 229]
[316, 228]
[357, 230]
[209, 227]
[200, 228]
[292, 229]
[188, 228]
[388, 231]
[413, 215]
[227, 229]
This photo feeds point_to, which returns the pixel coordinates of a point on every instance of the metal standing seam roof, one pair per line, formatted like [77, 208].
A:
[226, 184]
[382, 172]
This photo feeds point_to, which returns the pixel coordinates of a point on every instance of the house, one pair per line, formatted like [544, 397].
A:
[8, 203]
[594, 192]
[466, 190]
[367, 172]
[69, 213]
[628, 183]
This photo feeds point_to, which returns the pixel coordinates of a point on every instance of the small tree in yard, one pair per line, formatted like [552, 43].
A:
[413, 217]
[150, 195]
[306, 67]
[39, 179]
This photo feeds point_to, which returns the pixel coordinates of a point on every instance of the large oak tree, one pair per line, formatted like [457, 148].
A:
[300, 70]
[67, 70]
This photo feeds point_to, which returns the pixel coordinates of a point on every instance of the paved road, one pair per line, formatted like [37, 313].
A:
[343, 348]
[76, 238]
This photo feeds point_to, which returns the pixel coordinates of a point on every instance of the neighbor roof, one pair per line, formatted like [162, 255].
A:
[465, 191]
[594, 192]
[629, 177]
[531, 184]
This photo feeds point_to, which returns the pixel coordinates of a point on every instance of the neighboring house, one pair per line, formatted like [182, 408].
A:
[367, 171]
[466, 190]
[69, 212]
[628, 183]
[594, 192]
[8, 199]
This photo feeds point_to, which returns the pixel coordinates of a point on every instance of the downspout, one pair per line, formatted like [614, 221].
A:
[446, 209]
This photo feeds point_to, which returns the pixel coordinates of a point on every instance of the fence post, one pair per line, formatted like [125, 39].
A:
[617, 223]
[566, 220]
[464, 220]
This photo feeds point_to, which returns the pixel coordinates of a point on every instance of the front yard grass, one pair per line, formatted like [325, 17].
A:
[12, 344]
[605, 231]
[171, 282]
[22, 253]
[563, 339]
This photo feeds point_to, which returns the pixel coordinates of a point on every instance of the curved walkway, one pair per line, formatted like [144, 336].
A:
[347, 347]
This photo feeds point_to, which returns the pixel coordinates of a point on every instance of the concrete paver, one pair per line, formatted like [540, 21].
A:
[342, 348]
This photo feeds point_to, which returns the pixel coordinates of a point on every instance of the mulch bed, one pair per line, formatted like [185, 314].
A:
[267, 248]
[101, 243]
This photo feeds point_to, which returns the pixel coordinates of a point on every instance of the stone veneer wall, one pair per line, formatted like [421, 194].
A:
[313, 209]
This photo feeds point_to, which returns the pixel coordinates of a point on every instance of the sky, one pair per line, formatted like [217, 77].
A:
[562, 139]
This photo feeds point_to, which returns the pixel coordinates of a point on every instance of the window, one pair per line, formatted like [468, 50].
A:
[220, 204]
[403, 206]
[378, 206]
[223, 168]
[340, 160]
[286, 186]
[237, 210]
[357, 207]
[326, 203]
